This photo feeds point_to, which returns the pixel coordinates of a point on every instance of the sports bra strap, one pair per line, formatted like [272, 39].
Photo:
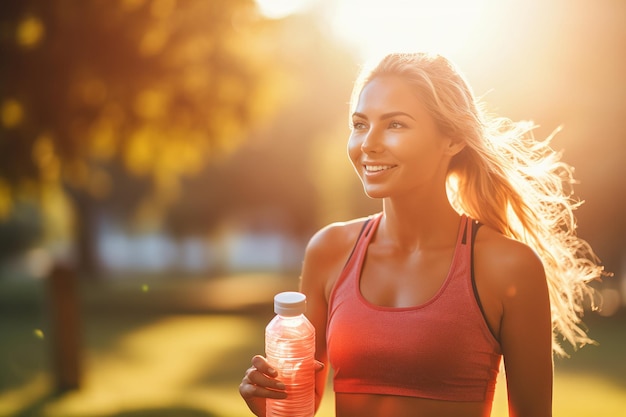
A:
[356, 242]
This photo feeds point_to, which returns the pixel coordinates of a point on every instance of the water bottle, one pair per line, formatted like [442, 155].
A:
[290, 349]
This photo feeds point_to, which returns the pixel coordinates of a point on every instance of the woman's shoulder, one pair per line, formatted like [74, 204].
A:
[509, 277]
[328, 251]
[334, 238]
[506, 262]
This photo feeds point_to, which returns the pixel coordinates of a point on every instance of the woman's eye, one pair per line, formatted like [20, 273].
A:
[358, 125]
[395, 125]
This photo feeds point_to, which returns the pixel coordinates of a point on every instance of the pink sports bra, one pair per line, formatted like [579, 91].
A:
[442, 349]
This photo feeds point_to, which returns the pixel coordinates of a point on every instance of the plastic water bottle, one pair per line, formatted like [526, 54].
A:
[290, 349]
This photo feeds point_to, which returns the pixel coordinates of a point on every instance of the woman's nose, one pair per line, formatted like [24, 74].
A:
[373, 142]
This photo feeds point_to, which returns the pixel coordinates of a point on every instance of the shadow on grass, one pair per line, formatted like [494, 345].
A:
[165, 412]
[36, 410]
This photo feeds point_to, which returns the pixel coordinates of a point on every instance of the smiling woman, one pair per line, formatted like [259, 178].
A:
[491, 273]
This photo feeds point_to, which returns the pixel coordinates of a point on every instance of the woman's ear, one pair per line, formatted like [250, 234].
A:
[454, 146]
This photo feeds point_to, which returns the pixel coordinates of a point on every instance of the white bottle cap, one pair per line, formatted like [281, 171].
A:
[290, 303]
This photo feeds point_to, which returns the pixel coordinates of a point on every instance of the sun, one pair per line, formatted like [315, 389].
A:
[375, 28]
[276, 9]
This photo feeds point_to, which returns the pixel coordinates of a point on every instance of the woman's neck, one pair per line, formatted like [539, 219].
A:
[416, 223]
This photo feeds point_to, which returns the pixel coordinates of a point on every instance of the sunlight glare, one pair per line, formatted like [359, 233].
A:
[443, 26]
[276, 9]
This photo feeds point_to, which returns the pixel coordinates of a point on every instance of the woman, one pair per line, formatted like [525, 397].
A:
[472, 259]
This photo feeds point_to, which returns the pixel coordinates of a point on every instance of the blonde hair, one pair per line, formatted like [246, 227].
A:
[507, 180]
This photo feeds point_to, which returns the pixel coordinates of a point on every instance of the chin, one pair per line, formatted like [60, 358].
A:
[375, 193]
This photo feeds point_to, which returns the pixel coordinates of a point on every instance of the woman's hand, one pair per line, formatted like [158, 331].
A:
[260, 383]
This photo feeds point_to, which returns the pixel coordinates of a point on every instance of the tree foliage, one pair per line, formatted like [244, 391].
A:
[275, 174]
[116, 101]
[131, 106]
[155, 87]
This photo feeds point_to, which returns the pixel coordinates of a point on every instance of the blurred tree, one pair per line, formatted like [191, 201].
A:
[274, 179]
[19, 230]
[116, 101]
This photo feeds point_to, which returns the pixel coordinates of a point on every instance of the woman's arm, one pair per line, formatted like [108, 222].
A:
[517, 276]
[325, 256]
[312, 285]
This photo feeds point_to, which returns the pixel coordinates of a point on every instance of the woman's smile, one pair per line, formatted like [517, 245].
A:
[377, 170]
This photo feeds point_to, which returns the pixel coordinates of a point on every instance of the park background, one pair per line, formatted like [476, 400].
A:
[163, 164]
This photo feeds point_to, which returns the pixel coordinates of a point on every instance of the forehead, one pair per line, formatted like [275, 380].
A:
[389, 93]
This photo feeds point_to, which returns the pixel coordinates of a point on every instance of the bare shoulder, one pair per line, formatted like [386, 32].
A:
[506, 263]
[510, 280]
[327, 252]
[332, 238]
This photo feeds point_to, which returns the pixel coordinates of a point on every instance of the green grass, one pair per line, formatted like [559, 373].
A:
[141, 358]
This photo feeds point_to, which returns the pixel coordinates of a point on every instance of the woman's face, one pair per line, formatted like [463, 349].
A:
[395, 145]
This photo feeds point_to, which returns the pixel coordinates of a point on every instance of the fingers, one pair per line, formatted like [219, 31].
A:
[319, 366]
[260, 381]
[250, 389]
[260, 363]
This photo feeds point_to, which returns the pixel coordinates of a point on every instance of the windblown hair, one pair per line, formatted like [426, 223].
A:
[507, 180]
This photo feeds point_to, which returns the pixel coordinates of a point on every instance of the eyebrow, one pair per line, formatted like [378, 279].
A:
[385, 115]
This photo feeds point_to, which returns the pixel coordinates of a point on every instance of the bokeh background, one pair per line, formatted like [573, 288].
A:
[164, 162]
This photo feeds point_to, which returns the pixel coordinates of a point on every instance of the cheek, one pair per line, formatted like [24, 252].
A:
[354, 150]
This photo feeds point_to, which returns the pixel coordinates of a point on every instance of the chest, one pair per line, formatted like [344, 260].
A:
[394, 278]
[432, 345]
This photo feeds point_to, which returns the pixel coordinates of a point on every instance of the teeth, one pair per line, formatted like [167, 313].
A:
[375, 168]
